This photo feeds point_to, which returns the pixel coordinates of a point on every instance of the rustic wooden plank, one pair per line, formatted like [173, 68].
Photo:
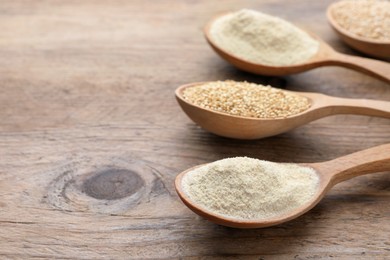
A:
[87, 91]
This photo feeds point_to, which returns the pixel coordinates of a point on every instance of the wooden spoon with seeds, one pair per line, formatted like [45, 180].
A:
[330, 173]
[372, 47]
[326, 56]
[238, 127]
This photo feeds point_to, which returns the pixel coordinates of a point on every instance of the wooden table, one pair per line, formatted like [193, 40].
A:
[91, 137]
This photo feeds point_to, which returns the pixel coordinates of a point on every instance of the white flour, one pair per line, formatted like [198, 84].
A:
[246, 188]
[264, 39]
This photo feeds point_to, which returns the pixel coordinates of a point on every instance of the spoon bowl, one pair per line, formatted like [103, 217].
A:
[238, 127]
[374, 48]
[330, 173]
[263, 69]
[326, 56]
[253, 223]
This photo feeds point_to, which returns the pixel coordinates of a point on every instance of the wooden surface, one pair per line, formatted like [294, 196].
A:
[87, 105]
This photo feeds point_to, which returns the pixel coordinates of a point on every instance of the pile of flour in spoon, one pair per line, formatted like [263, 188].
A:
[250, 189]
[264, 39]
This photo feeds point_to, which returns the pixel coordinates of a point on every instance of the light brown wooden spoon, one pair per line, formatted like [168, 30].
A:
[375, 48]
[254, 128]
[326, 56]
[330, 173]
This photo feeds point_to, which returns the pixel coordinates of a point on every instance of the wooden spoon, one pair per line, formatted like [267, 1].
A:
[253, 128]
[326, 56]
[375, 48]
[330, 173]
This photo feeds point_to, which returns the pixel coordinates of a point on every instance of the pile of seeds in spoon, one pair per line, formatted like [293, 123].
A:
[364, 18]
[246, 99]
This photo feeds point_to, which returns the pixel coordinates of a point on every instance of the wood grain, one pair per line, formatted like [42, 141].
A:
[87, 101]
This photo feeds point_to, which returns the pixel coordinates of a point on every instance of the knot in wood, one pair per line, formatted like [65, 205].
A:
[112, 184]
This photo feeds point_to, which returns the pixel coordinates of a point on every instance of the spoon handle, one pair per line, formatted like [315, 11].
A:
[374, 68]
[375, 159]
[366, 107]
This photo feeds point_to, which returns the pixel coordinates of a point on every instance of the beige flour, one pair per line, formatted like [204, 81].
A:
[246, 188]
[261, 38]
